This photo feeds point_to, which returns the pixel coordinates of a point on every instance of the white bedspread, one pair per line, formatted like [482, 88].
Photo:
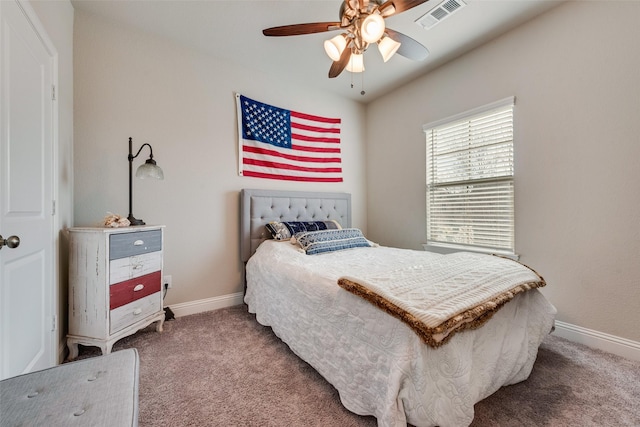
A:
[378, 364]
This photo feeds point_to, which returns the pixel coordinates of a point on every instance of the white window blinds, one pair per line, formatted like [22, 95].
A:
[470, 179]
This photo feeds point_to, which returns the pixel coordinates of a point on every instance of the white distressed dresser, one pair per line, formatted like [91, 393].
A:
[115, 284]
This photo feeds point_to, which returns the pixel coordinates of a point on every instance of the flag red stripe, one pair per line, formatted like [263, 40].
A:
[314, 138]
[288, 177]
[315, 118]
[315, 149]
[265, 151]
[277, 165]
[314, 128]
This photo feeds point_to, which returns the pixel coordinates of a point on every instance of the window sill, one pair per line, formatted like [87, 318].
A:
[443, 248]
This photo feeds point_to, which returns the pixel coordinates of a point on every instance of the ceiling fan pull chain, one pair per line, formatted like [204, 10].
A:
[362, 92]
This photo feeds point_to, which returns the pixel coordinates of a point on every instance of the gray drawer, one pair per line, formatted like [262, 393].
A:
[128, 244]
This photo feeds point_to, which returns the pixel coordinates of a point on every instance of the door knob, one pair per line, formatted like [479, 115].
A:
[11, 242]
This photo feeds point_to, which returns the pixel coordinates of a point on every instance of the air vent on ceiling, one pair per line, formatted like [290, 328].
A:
[440, 12]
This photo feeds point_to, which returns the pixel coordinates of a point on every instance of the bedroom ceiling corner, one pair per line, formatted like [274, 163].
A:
[212, 27]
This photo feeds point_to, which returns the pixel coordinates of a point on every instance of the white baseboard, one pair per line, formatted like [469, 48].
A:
[207, 304]
[599, 340]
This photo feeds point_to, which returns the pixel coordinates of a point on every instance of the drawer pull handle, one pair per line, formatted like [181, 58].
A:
[137, 266]
[138, 243]
[137, 311]
[138, 287]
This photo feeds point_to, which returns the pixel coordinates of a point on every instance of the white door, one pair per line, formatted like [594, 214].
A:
[27, 322]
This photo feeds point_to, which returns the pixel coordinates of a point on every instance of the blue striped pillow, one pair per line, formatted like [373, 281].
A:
[284, 230]
[317, 242]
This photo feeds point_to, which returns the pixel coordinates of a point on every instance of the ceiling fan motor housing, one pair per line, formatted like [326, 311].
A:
[353, 17]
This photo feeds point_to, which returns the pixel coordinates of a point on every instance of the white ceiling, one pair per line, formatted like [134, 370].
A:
[232, 30]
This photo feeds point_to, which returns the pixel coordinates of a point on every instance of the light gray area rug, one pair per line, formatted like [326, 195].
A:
[222, 368]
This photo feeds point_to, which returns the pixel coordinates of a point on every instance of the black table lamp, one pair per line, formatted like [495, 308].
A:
[147, 170]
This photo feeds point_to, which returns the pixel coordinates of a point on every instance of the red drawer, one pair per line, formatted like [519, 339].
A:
[125, 292]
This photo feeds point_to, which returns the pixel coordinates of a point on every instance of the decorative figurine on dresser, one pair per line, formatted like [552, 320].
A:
[115, 284]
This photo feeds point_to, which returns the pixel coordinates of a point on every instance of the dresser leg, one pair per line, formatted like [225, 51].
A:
[73, 349]
[159, 325]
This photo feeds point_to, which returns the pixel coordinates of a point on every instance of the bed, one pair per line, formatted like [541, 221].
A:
[379, 363]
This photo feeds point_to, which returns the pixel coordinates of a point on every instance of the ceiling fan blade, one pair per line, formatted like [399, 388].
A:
[409, 48]
[338, 66]
[399, 5]
[300, 29]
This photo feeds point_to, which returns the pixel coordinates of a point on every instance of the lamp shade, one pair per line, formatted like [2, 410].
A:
[387, 47]
[335, 46]
[372, 28]
[356, 63]
[149, 170]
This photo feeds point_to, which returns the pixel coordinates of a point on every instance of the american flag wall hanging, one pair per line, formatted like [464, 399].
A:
[275, 143]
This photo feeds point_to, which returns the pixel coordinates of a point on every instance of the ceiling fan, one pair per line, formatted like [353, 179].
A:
[362, 24]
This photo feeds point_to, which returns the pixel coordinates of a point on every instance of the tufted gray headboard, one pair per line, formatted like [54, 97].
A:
[258, 207]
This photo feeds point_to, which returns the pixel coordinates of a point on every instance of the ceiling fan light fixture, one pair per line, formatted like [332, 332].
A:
[387, 47]
[372, 28]
[335, 46]
[387, 9]
[356, 63]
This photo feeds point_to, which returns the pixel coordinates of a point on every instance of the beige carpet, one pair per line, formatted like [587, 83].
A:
[222, 368]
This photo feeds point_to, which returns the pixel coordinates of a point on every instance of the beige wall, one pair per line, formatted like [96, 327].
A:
[57, 19]
[574, 72]
[182, 103]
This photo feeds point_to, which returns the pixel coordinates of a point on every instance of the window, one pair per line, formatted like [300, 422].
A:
[470, 190]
